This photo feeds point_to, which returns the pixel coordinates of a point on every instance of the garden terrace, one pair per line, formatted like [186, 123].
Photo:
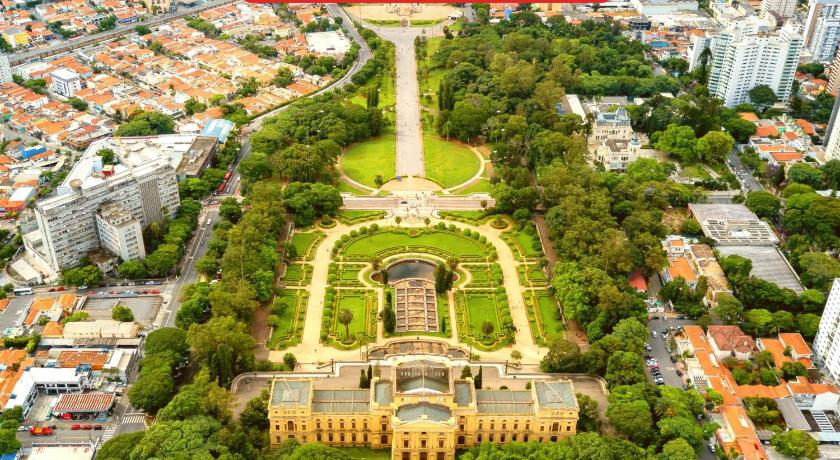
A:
[287, 317]
[355, 217]
[544, 316]
[467, 245]
[475, 308]
[297, 274]
[305, 243]
[416, 306]
[362, 303]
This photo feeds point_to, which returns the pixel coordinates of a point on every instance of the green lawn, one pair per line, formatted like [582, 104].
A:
[295, 273]
[527, 242]
[695, 170]
[345, 187]
[448, 163]
[360, 215]
[363, 161]
[469, 215]
[366, 453]
[482, 185]
[454, 244]
[287, 307]
[302, 242]
[357, 304]
[548, 315]
[479, 274]
[481, 308]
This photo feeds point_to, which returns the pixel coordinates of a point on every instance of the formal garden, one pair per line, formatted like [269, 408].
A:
[349, 317]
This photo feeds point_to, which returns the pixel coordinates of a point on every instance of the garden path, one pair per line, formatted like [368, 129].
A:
[310, 350]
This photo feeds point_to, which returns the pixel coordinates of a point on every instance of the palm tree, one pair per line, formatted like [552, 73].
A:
[487, 328]
[345, 317]
[375, 262]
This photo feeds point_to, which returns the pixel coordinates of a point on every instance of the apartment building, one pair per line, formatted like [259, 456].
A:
[822, 29]
[747, 53]
[5, 69]
[826, 344]
[65, 82]
[120, 232]
[68, 227]
[781, 8]
[419, 409]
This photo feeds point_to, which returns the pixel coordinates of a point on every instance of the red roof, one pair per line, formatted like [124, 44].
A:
[85, 402]
[637, 281]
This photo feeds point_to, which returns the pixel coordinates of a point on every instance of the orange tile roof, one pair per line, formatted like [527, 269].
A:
[762, 391]
[786, 156]
[766, 131]
[39, 305]
[67, 301]
[746, 441]
[748, 116]
[777, 349]
[811, 388]
[96, 359]
[796, 342]
[680, 268]
[52, 329]
[806, 126]
[728, 338]
[790, 135]
[4, 303]
[806, 362]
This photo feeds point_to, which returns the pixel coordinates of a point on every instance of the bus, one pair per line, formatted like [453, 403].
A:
[23, 291]
[222, 186]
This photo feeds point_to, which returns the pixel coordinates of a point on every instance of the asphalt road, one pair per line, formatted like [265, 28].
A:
[409, 138]
[197, 248]
[65, 46]
[744, 175]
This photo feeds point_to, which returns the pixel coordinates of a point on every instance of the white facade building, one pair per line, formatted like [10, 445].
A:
[120, 232]
[747, 54]
[65, 82]
[67, 222]
[5, 69]
[827, 343]
[822, 29]
[782, 8]
[663, 7]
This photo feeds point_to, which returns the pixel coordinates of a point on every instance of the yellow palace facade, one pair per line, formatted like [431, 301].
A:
[419, 410]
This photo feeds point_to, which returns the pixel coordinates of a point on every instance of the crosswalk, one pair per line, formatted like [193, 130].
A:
[137, 417]
[109, 433]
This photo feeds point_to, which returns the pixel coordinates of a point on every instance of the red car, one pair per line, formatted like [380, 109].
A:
[155, 291]
[76, 427]
[87, 427]
[97, 427]
[59, 289]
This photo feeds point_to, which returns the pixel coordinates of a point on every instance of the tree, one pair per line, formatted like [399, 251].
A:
[88, 275]
[231, 210]
[283, 77]
[167, 339]
[193, 106]
[202, 397]
[487, 328]
[563, 356]
[75, 316]
[762, 96]
[146, 124]
[808, 324]
[818, 270]
[632, 418]
[682, 427]
[255, 414]
[624, 368]
[678, 141]
[77, 104]
[796, 443]
[729, 309]
[479, 378]
[389, 319]
[223, 344]
[677, 449]
[132, 269]
[804, 173]
[119, 447]
[122, 314]
[290, 361]
[714, 146]
[516, 356]
[345, 317]
[764, 204]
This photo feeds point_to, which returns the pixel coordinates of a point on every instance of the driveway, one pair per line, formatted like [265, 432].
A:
[409, 135]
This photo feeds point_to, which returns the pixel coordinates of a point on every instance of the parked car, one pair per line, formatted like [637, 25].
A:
[87, 427]
[75, 427]
[59, 289]
[97, 427]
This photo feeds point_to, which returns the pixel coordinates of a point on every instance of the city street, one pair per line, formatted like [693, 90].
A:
[748, 182]
[658, 352]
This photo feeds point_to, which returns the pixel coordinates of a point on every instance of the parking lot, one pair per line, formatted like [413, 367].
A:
[15, 312]
[144, 307]
[658, 351]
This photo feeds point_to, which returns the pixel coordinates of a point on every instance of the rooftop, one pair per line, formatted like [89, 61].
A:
[290, 393]
[433, 412]
[84, 402]
[768, 263]
[504, 402]
[732, 224]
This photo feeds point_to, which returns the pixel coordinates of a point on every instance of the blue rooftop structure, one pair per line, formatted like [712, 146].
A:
[218, 128]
